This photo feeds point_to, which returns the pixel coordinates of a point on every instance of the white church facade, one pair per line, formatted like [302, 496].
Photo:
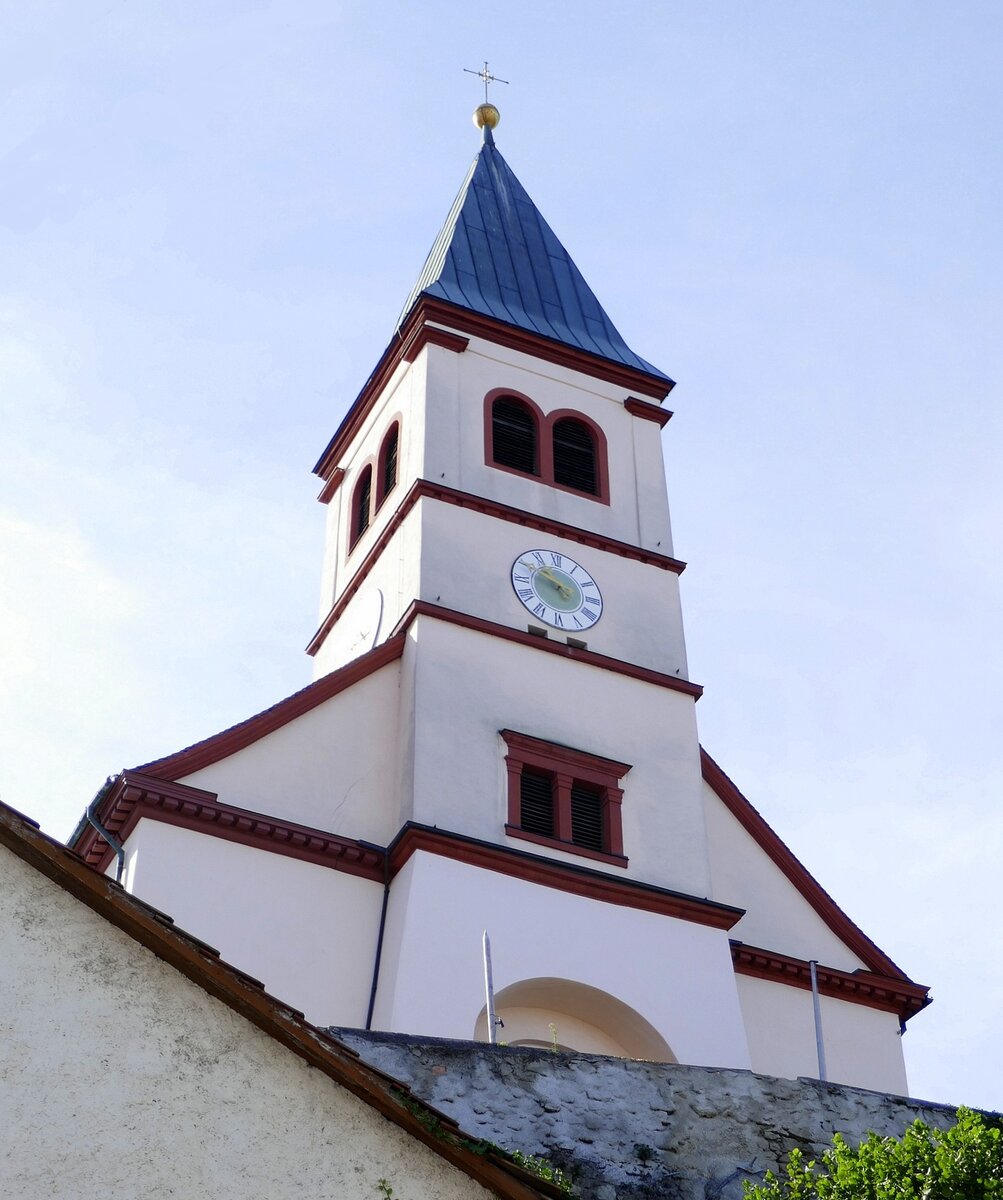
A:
[501, 734]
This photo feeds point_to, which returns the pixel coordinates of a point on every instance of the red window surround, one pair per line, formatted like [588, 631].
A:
[362, 504]
[545, 445]
[388, 463]
[566, 768]
[376, 479]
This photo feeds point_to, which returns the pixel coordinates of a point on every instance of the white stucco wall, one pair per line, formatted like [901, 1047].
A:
[777, 916]
[332, 768]
[862, 1045]
[307, 932]
[439, 400]
[456, 387]
[677, 975]
[119, 1077]
[469, 685]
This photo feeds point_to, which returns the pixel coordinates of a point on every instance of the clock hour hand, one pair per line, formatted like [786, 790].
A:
[548, 575]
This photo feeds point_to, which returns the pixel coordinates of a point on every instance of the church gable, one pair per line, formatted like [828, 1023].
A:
[787, 909]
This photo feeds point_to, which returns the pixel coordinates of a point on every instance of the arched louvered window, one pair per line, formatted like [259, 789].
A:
[388, 463]
[514, 436]
[575, 456]
[362, 504]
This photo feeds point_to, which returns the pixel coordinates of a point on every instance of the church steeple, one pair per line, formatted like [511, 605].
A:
[496, 256]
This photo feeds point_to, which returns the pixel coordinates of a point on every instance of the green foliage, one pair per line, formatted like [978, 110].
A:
[429, 1121]
[543, 1168]
[963, 1163]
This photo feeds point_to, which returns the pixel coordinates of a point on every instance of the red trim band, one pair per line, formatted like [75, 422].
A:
[896, 995]
[237, 737]
[424, 489]
[809, 887]
[647, 411]
[423, 608]
[485, 327]
[565, 877]
[134, 795]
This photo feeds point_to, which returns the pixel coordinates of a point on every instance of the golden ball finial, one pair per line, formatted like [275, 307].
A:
[486, 115]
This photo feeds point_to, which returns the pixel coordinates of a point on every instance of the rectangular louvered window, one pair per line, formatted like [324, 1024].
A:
[564, 798]
[586, 815]
[536, 802]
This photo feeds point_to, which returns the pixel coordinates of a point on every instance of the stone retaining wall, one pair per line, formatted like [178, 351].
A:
[630, 1130]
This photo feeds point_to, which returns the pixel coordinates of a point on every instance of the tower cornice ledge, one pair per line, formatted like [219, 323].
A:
[438, 612]
[492, 508]
[424, 325]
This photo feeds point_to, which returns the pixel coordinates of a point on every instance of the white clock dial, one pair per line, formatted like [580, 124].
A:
[557, 590]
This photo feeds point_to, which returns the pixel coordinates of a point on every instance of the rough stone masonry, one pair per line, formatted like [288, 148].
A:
[626, 1130]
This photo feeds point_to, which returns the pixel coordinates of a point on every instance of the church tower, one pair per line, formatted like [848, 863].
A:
[501, 734]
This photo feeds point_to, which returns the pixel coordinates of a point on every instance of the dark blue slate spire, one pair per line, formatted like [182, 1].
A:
[497, 256]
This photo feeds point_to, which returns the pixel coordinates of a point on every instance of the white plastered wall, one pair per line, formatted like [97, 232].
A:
[122, 1077]
[466, 564]
[469, 685]
[440, 400]
[457, 385]
[676, 974]
[862, 1046]
[307, 932]
[333, 768]
[777, 916]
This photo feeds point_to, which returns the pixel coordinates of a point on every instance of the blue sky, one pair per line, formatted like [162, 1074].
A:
[209, 217]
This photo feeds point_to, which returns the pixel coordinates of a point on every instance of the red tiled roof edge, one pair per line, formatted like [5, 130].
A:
[202, 965]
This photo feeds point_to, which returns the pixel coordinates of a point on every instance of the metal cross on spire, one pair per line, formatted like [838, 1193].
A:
[486, 75]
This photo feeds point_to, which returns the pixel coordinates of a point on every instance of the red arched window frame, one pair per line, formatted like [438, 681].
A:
[536, 418]
[362, 505]
[545, 444]
[601, 492]
[388, 462]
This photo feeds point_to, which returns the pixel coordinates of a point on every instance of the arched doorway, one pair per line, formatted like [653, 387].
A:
[562, 1014]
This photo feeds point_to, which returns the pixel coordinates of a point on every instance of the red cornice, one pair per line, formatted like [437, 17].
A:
[423, 608]
[647, 411]
[237, 737]
[333, 482]
[565, 877]
[134, 795]
[540, 347]
[484, 327]
[431, 335]
[809, 887]
[892, 994]
[246, 997]
[564, 756]
[423, 488]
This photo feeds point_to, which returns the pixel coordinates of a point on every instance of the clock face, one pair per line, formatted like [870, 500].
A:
[557, 590]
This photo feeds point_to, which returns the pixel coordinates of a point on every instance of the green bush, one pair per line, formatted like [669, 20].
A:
[963, 1163]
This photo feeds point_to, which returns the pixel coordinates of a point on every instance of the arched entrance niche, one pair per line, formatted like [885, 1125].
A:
[584, 1019]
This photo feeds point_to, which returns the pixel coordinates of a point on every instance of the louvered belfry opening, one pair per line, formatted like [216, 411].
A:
[536, 796]
[586, 815]
[514, 436]
[363, 498]
[575, 456]
[389, 460]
